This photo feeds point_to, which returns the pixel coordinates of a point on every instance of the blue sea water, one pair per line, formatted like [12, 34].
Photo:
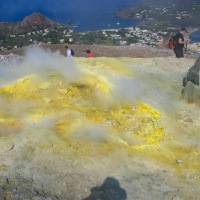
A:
[86, 15]
[195, 37]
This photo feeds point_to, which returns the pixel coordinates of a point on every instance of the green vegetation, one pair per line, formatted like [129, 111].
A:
[159, 15]
[92, 38]
[63, 35]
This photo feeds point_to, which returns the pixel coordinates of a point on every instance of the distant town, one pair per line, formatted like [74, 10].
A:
[162, 19]
[60, 34]
[162, 13]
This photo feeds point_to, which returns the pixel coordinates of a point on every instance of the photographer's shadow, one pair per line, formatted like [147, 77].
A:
[109, 190]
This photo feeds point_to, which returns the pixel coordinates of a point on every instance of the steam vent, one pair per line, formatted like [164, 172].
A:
[102, 128]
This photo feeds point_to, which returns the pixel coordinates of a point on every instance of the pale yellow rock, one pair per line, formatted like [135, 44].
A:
[9, 146]
[63, 91]
[70, 135]
[44, 85]
[47, 100]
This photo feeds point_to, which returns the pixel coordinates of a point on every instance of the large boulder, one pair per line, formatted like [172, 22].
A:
[191, 91]
[193, 73]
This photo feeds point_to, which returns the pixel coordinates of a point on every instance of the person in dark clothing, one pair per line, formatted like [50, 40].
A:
[178, 50]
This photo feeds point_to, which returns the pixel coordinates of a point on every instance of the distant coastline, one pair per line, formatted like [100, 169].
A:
[191, 31]
[195, 36]
[96, 16]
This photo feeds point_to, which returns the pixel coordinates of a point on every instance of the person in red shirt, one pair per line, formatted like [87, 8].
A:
[89, 54]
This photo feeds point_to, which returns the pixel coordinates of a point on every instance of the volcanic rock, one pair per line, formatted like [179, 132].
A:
[191, 92]
[36, 21]
[193, 73]
[51, 159]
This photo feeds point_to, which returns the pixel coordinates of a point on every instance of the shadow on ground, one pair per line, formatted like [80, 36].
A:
[109, 190]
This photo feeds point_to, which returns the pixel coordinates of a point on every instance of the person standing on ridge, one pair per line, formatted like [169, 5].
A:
[69, 52]
[178, 50]
[89, 54]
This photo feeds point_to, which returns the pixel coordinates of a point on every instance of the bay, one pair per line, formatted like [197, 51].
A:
[85, 15]
[195, 37]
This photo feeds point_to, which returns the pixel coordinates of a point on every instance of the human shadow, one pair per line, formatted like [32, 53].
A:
[109, 190]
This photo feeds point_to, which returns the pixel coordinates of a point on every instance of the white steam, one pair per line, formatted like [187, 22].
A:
[40, 61]
[93, 133]
[126, 90]
[16, 108]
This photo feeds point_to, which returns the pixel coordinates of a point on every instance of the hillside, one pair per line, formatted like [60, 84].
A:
[32, 29]
[168, 13]
[34, 22]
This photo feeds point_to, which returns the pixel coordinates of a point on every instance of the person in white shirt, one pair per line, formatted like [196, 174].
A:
[68, 51]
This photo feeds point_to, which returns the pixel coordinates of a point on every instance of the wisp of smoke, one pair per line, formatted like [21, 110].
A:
[41, 61]
[125, 90]
[15, 108]
[93, 133]
[45, 123]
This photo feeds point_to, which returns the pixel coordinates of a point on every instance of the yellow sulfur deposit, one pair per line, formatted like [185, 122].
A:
[74, 122]
[87, 105]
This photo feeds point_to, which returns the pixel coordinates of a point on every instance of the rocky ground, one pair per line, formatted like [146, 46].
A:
[134, 51]
[101, 51]
[39, 165]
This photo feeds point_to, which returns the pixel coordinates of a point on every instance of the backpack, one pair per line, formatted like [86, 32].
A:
[72, 52]
[173, 42]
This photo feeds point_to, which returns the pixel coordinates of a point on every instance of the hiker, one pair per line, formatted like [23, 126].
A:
[69, 52]
[178, 50]
[89, 54]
